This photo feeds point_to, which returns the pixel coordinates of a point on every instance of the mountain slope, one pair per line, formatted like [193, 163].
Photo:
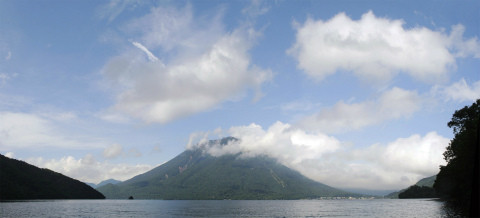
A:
[428, 181]
[19, 180]
[104, 182]
[196, 175]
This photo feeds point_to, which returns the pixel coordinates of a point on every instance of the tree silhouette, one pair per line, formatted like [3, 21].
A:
[458, 180]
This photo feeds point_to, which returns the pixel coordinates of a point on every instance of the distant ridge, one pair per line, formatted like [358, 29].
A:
[22, 181]
[194, 174]
[104, 182]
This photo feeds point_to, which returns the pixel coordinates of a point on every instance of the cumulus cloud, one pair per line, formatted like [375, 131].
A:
[113, 151]
[460, 91]
[393, 104]
[279, 141]
[324, 158]
[376, 48]
[204, 66]
[88, 169]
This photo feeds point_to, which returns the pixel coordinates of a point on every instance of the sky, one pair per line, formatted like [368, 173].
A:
[353, 94]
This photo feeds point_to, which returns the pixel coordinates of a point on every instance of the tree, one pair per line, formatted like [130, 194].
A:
[458, 180]
[416, 191]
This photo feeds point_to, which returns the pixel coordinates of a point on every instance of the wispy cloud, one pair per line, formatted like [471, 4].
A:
[393, 104]
[376, 48]
[9, 56]
[113, 8]
[150, 56]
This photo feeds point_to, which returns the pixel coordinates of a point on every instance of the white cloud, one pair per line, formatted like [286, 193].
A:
[324, 158]
[376, 48]
[460, 91]
[113, 151]
[393, 104]
[205, 66]
[150, 56]
[88, 169]
[24, 130]
[279, 141]
[464, 48]
[9, 154]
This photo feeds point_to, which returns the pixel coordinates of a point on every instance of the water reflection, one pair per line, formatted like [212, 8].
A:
[451, 210]
[212, 208]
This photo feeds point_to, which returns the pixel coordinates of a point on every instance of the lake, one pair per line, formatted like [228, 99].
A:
[227, 208]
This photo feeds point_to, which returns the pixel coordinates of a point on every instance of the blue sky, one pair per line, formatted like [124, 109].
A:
[354, 94]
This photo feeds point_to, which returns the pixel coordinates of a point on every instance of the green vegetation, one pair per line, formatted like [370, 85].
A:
[21, 181]
[197, 175]
[427, 182]
[458, 180]
[416, 191]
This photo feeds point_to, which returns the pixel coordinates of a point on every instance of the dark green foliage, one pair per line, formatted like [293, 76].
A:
[20, 181]
[197, 175]
[454, 181]
[416, 191]
[428, 182]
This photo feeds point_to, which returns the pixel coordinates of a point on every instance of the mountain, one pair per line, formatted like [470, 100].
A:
[194, 174]
[108, 181]
[104, 182]
[19, 180]
[428, 182]
[93, 185]
[369, 192]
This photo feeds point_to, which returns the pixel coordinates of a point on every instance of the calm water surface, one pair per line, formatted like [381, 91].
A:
[160, 208]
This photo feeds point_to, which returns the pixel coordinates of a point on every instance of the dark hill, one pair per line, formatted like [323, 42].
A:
[427, 182]
[196, 175]
[21, 181]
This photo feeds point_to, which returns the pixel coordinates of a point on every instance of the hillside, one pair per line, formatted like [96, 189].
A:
[20, 181]
[428, 182]
[196, 175]
[104, 182]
